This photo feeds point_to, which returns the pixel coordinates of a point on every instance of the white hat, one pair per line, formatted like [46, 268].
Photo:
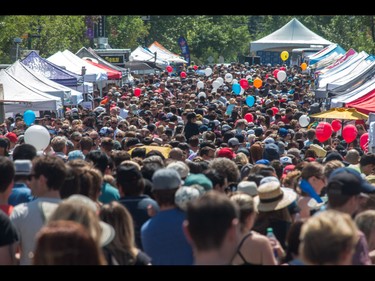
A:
[249, 187]
[181, 168]
[286, 160]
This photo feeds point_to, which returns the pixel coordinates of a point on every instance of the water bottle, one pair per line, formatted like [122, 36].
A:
[272, 236]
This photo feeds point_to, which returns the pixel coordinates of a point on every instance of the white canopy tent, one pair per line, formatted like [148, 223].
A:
[40, 82]
[19, 97]
[292, 35]
[143, 54]
[165, 54]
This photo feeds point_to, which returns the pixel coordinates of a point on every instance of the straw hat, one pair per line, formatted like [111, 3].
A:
[272, 197]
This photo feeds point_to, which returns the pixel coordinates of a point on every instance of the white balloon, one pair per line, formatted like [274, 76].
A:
[216, 84]
[38, 136]
[200, 85]
[228, 77]
[304, 120]
[281, 75]
[242, 91]
[208, 71]
[234, 81]
[249, 77]
[221, 80]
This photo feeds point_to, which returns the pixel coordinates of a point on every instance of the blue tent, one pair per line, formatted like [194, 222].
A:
[52, 71]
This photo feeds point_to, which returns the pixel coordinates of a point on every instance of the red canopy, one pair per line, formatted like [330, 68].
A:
[364, 104]
[111, 73]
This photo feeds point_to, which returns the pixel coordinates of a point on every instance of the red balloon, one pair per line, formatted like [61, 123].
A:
[275, 73]
[169, 68]
[283, 68]
[363, 140]
[349, 133]
[137, 92]
[195, 67]
[183, 74]
[323, 131]
[336, 125]
[249, 117]
[275, 110]
[244, 83]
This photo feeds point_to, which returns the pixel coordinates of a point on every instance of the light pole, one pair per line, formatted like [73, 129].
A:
[17, 41]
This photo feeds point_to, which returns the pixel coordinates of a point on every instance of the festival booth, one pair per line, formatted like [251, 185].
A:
[51, 70]
[19, 97]
[37, 81]
[292, 35]
[142, 54]
[165, 54]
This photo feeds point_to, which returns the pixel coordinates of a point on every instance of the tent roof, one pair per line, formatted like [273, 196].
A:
[111, 73]
[341, 113]
[51, 70]
[19, 97]
[164, 53]
[292, 35]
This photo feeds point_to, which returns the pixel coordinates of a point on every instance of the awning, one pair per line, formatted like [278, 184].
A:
[341, 113]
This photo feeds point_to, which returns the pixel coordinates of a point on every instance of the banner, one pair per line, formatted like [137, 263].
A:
[184, 49]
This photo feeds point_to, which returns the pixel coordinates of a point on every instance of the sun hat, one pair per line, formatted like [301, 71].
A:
[271, 197]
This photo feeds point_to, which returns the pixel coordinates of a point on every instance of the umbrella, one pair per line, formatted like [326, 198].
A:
[341, 113]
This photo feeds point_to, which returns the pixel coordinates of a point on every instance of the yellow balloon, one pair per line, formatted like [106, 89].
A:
[257, 83]
[303, 66]
[284, 55]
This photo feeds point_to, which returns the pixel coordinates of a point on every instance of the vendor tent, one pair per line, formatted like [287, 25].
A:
[145, 55]
[111, 73]
[341, 113]
[37, 81]
[19, 97]
[165, 54]
[51, 70]
[292, 35]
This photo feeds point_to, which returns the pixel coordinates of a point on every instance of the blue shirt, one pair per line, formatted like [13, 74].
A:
[21, 193]
[164, 241]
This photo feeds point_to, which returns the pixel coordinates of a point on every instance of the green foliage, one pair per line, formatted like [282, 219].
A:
[228, 36]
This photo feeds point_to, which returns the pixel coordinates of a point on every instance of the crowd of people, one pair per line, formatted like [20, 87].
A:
[176, 170]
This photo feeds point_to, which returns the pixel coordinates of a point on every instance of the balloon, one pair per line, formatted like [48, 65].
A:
[38, 136]
[200, 85]
[284, 55]
[236, 88]
[169, 69]
[336, 125]
[137, 92]
[221, 80]
[249, 77]
[349, 133]
[281, 75]
[257, 83]
[228, 77]
[304, 120]
[249, 117]
[323, 131]
[275, 110]
[244, 83]
[104, 101]
[283, 68]
[183, 74]
[303, 66]
[216, 84]
[242, 91]
[363, 140]
[234, 81]
[275, 72]
[250, 100]
[29, 117]
[208, 71]
[195, 67]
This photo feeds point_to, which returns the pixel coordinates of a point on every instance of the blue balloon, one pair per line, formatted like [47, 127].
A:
[29, 117]
[250, 101]
[236, 89]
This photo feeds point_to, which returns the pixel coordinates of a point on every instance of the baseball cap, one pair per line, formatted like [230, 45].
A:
[348, 181]
[199, 179]
[226, 152]
[233, 142]
[165, 179]
[22, 167]
[286, 160]
[181, 168]
[249, 187]
[185, 194]
[263, 161]
[269, 140]
[12, 137]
